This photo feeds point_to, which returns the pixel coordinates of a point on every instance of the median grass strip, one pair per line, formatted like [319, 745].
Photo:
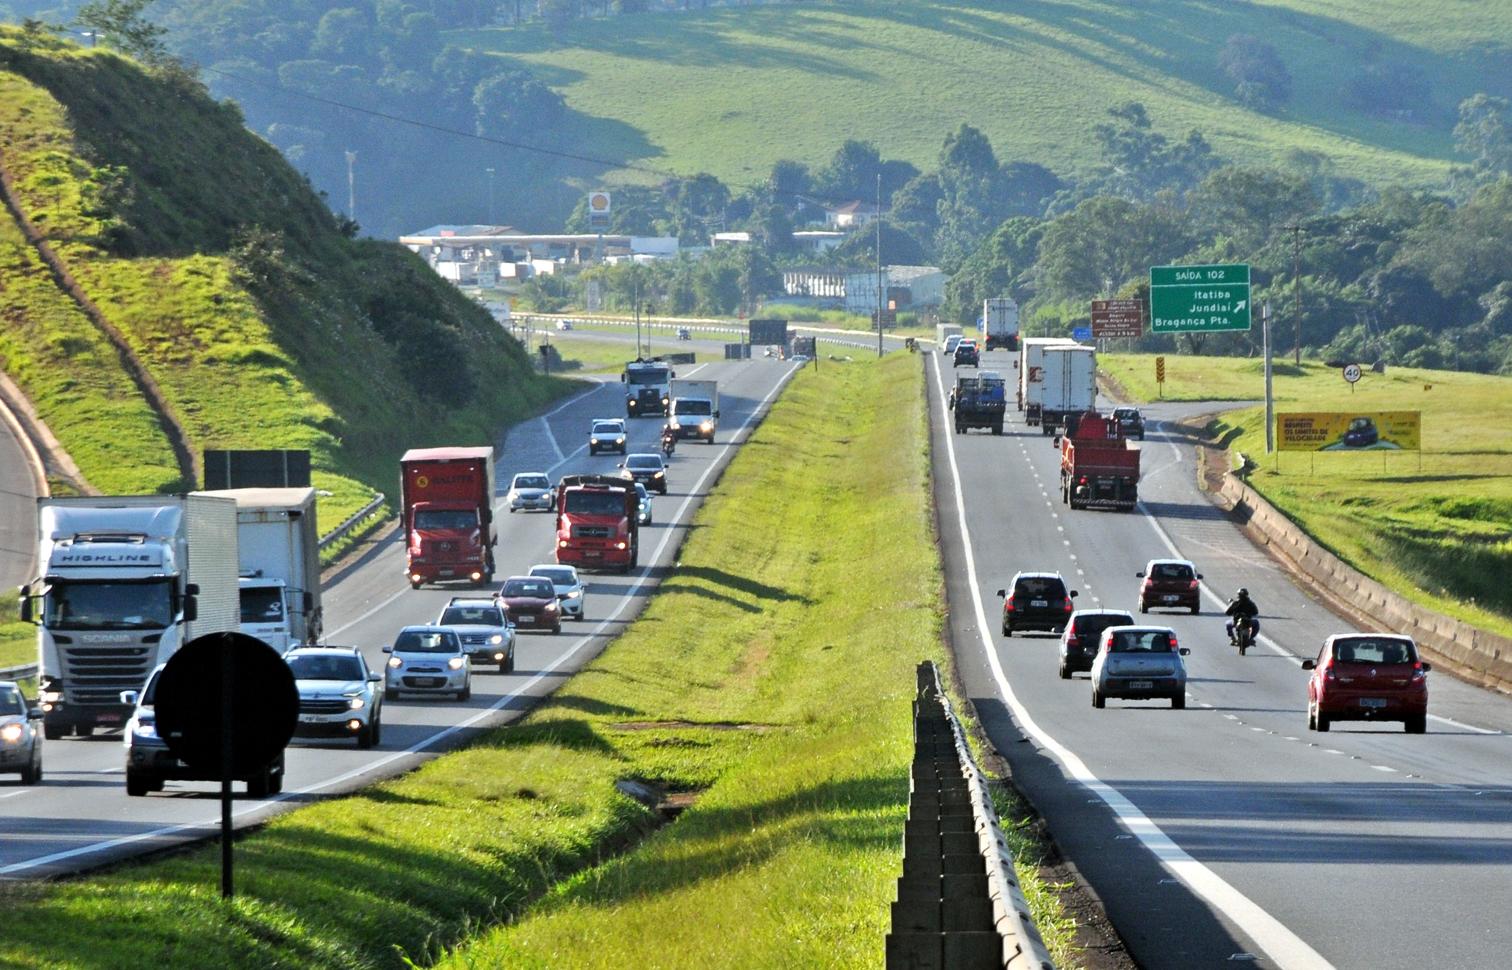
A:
[766, 687]
[1436, 528]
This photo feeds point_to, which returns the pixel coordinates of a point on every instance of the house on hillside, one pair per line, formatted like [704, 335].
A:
[849, 215]
[819, 240]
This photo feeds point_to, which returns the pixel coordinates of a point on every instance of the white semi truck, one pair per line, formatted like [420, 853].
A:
[1031, 373]
[694, 409]
[1000, 323]
[279, 564]
[125, 582]
[1069, 389]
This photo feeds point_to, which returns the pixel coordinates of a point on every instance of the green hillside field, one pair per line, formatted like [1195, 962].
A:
[730, 91]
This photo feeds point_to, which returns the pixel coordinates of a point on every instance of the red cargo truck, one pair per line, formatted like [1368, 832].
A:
[597, 518]
[1099, 467]
[449, 530]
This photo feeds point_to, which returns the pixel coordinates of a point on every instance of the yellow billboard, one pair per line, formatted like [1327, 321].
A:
[1349, 431]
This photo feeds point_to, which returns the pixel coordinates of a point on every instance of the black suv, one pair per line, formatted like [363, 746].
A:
[1036, 601]
[1078, 645]
[1130, 422]
[966, 353]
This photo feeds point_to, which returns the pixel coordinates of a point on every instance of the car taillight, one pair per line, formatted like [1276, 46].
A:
[1082, 480]
[1175, 644]
[1328, 671]
[1192, 584]
[1418, 673]
[1008, 604]
[1068, 604]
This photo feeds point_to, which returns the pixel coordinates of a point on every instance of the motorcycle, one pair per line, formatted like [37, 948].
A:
[1244, 633]
[668, 442]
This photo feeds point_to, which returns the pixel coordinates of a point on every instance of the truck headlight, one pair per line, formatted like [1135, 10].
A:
[11, 733]
[707, 426]
[456, 663]
[395, 663]
[52, 696]
[659, 475]
[561, 543]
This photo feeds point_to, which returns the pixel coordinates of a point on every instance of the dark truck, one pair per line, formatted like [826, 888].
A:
[1099, 466]
[598, 522]
[979, 402]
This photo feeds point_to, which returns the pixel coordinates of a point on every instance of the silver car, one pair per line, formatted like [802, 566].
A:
[566, 584]
[643, 516]
[20, 738]
[338, 695]
[428, 660]
[531, 490]
[607, 434]
[487, 635]
[1139, 663]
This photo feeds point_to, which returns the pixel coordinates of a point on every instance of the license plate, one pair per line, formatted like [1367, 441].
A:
[1170, 597]
[108, 718]
[524, 619]
[310, 719]
[1372, 702]
[1141, 684]
[1039, 602]
[592, 554]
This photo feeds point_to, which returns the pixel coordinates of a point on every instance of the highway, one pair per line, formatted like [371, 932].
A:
[1227, 833]
[80, 816]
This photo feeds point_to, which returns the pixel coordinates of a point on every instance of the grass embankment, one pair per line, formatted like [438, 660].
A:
[702, 92]
[263, 325]
[584, 355]
[1440, 534]
[769, 682]
[18, 641]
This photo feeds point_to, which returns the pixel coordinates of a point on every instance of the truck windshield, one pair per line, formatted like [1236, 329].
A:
[646, 375]
[110, 606]
[694, 407]
[595, 503]
[262, 604]
[446, 520]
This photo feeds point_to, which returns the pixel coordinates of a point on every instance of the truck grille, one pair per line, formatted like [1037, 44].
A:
[313, 706]
[590, 532]
[98, 674]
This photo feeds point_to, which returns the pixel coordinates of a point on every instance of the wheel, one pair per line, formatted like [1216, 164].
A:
[51, 731]
[1064, 671]
[1098, 701]
[1416, 724]
[465, 693]
[507, 665]
[32, 773]
[394, 695]
[83, 730]
[1196, 608]
[414, 585]
[261, 786]
[592, 450]
[1322, 721]
[136, 785]
[365, 737]
[513, 510]
[1242, 648]
[958, 428]
[997, 427]
[1178, 702]
[1144, 607]
[1312, 719]
[377, 727]
[275, 784]
[1007, 629]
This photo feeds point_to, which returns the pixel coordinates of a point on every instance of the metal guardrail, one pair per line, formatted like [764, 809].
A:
[861, 340]
[959, 903]
[345, 528]
[18, 673]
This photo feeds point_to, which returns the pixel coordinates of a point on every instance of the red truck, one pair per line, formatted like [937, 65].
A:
[1099, 467]
[447, 496]
[597, 522]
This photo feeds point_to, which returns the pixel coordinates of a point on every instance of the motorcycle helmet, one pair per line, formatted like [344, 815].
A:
[1243, 591]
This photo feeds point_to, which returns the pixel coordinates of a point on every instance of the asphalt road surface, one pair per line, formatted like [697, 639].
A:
[80, 816]
[1224, 834]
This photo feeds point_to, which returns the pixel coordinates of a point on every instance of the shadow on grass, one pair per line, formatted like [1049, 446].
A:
[748, 586]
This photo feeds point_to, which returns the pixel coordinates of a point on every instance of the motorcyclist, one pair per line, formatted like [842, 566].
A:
[1242, 605]
[668, 439]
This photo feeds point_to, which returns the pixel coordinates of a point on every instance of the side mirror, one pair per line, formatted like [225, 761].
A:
[1002, 592]
[26, 603]
[1139, 575]
[129, 698]
[716, 414]
[620, 465]
[191, 603]
[1185, 651]
[1199, 575]
[671, 373]
[388, 649]
[1427, 667]
[622, 378]
[1073, 594]
[1309, 664]
[34, 714]
[374, 677]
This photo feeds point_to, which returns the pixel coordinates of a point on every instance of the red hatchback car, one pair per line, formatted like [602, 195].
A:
[1367, 677]
[1170, 584]
[530, 603]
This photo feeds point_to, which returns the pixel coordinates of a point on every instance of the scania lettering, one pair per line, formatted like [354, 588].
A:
[126, 581]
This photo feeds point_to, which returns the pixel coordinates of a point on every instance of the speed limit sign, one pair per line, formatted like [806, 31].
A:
[1352, 372]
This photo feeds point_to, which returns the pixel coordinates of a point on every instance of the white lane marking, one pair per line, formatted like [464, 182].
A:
[1263, 639]
[642, 578]
[1281, 944]
[546, 426]
[1384, 768]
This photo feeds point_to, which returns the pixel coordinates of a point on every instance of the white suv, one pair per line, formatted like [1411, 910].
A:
[487, 635]
[428, 660]
[338, 695]
[567, 586]
[607, 434]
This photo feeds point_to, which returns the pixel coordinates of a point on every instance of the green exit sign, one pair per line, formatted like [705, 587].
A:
[1199, 299]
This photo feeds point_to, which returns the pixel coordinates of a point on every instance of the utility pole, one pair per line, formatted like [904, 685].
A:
[351, 157]
[881, 290]
[490, 172]
[1296, 231]
[635, 301]
[1270, 401]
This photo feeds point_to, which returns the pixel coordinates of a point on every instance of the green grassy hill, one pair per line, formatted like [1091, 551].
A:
[231, 283]
[729, 91]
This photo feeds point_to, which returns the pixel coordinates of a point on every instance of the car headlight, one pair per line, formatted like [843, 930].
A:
[658, 475]
[707, 426]
[551, 607]
[496, 639]
[575, 594]
[395, 663]
[619, 441]
[146, 730]
[11, 733]
[355, 702]
[456, 663]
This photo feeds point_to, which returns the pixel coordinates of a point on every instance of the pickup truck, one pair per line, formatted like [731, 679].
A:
[1099, 467]
[979, 402]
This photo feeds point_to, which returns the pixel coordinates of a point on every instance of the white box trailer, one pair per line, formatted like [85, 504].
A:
[944, 330]
[278, 564]
[1031, 372]
[1070, 386]
[1000, 323]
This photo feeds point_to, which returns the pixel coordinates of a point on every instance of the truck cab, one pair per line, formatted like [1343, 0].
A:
[597, 522]
[694, 412]
[447, 496]
[647, 386]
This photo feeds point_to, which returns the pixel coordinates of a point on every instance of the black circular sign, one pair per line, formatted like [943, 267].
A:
[264, 703]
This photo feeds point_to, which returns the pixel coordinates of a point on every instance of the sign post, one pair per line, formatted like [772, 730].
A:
[1352, 375]
[1199, 299]
[1160, 374]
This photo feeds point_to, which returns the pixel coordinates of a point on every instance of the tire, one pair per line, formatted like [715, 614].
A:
[513, 510]
[51, 731]
[1144, 607]
[275, 783]
[1007, 629]
[1322, 721]
[394, 695]
[1416, 724]
[262, 786]
[1196, 608]
[1178, 702]
[1242, 648]
[1064, 672]
[465, 694]
[365, 737]
[414, 585]
[1312, 719]
[32, 773]
[377, 727]
[83, 730]
[136, 785]
[508, 665]
[1098, 701]
[997, 427]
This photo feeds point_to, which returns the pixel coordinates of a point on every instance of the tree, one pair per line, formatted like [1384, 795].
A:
[1141, 162]
[120, 24]
[1261, 79]
[851, 173]
[1103, 240]
[999, 267]
[1484, 133]
[696, 205]
[915, 207]
[514, 101]
[1397, 90]
[1247, 205]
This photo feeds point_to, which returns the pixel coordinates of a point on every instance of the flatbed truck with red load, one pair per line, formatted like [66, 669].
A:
[597, 524]
[447, 499]
[1099, 466]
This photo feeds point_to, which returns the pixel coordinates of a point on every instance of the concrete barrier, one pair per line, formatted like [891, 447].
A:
[1472, 653]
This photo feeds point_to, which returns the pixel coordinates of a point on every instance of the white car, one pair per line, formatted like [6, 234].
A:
[643, 517]
[338, 695]
[531, 490]
[950, 344]
[487, 635]
[607, 434]
[20, 737]
[566, 584]
[428, 660]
